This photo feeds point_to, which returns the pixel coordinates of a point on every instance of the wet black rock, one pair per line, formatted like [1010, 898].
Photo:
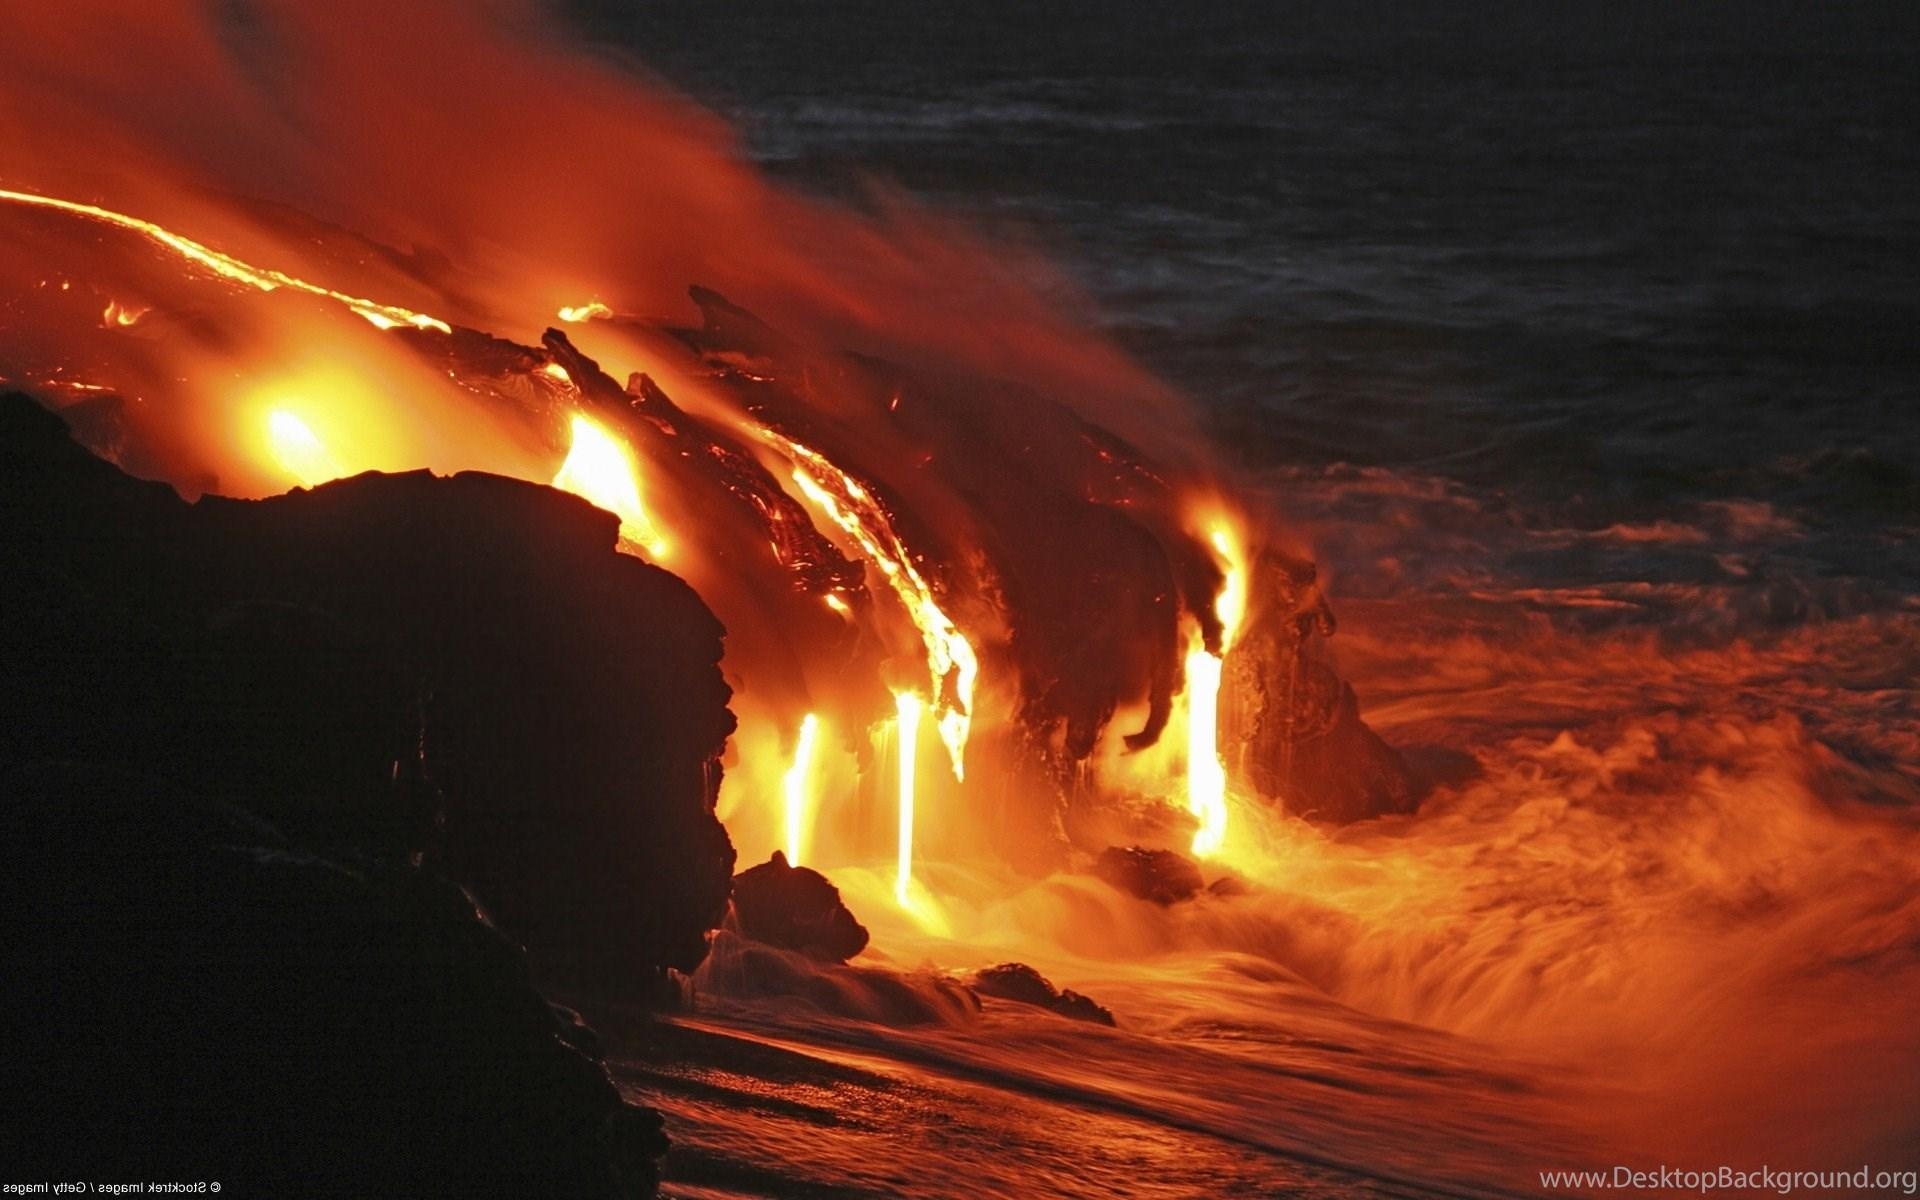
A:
[796, 908]
[1158, 875]
[1021, 983]
[199, 997]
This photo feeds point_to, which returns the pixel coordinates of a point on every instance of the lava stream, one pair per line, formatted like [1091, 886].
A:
[299, 450]
[951, 662]
[1206, 773]
[796, 787]
[600, 470]
[385, 316]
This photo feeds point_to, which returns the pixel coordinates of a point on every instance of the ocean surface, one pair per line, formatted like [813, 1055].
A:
[1606, 268]
[1583, 353]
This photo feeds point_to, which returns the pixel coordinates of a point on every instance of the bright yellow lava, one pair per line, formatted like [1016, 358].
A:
[797, 788]
[118, 315]
[1206, 777]
[907, 730]
[1206, 774]
[951, 663]
[573, 314]
[600, 470]
[386, 316]
[1231, 604]
[299, 450]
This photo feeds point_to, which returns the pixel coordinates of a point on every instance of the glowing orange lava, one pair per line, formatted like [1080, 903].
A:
[385, 316]
[593, 310]
[118, 315]
[600, 470]
[299, 450]
[797, 789]
[1206, 774]
[951, 663]
[907, 730]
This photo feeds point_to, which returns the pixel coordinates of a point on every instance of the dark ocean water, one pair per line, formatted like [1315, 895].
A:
[1598, 268]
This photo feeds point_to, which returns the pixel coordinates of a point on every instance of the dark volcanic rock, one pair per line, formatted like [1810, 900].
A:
[230, 735]
[1228, 885]
[796, 908]
[749, 970]
[1020, 982]
[1293, 724]
[1157, 875]
[1341, 771]
[200, 998]
[385, 665]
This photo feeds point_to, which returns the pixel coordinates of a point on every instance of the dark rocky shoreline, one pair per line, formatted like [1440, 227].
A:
[248, 749]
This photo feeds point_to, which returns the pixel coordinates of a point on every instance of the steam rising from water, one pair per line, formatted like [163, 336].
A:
[1660, 908]
[1658, 925]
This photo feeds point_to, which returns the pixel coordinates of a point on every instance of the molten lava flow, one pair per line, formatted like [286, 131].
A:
[797, 788]
[600, 470]
[908, 707]
[118, 315]
[950, 659]
[1206, 774]
[299, 450]
[386, 316]
[1231, 604]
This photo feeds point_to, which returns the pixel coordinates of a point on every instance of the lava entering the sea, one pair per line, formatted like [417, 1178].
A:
[879, 542]
[474, 535]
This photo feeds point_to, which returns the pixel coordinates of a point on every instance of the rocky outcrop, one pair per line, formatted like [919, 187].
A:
[1024, 985]
[394, 664]
[1160, 876]
[245, 750]
[200, 998]
[1292, 724]
[796, 908]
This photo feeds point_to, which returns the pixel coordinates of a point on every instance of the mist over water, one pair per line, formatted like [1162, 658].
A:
[1580, 357]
